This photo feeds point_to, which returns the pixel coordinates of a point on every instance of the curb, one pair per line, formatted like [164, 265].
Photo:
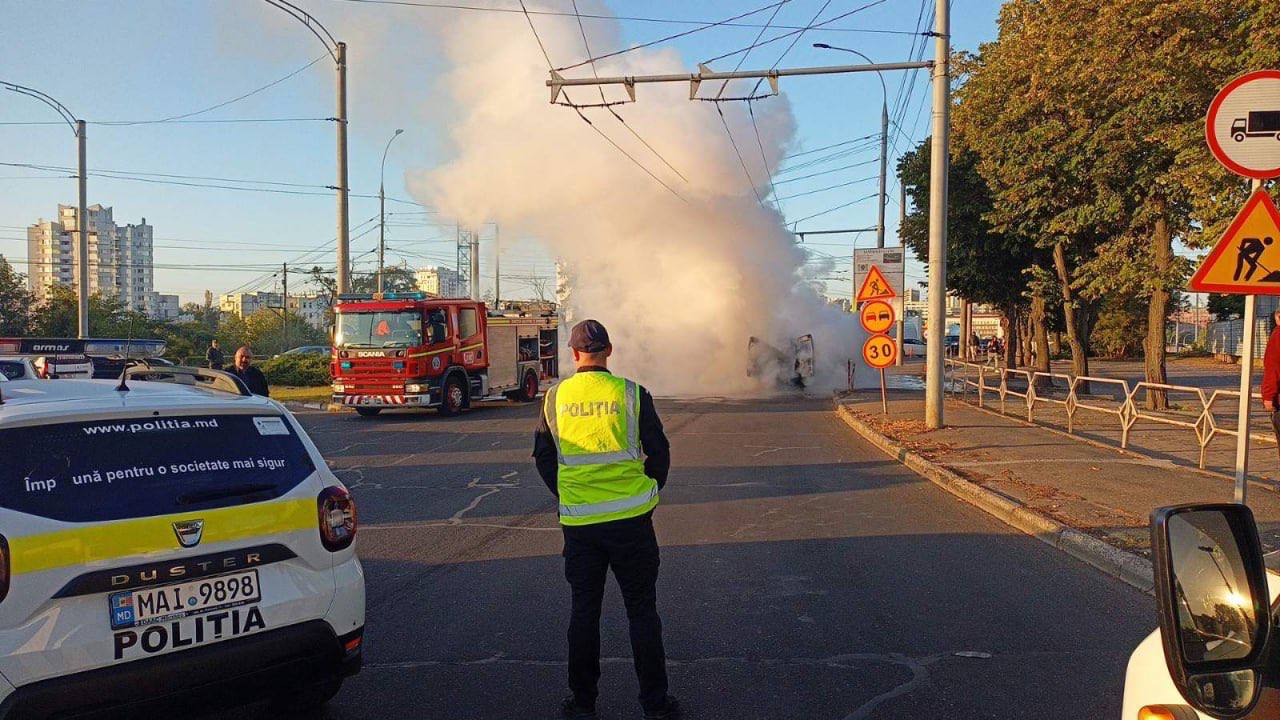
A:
[1129, 568]
[326, 406]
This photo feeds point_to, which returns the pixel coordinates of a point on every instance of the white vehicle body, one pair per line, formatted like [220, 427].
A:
[1147, 680]
[161, 540]
[17, 367]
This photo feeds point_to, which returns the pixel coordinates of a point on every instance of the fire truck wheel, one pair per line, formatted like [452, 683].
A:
[367, 412]
[455, 397]
[529, 388]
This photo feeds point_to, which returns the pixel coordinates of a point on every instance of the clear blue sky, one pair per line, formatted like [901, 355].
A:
[151, 59]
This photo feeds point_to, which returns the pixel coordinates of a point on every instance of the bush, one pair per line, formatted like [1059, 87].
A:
[297, 370]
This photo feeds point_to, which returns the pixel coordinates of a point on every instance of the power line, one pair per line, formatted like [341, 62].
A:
[599, 132]
[181, 122]
[828, 172]
[797, 31]
[830, 187]
[594, 16]
[664, 39]
[736, 151]
[833, 145]
[833, 209]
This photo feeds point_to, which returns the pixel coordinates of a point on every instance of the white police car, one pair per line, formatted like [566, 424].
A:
[180, 540]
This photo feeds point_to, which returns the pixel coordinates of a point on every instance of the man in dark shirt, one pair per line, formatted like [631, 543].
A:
[585, 449]
[250, 375]
[214, 355]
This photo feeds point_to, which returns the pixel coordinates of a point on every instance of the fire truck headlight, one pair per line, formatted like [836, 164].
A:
[339, 387]
[415, 388]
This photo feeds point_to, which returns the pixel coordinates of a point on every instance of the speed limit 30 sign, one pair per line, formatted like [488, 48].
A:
[879, 351]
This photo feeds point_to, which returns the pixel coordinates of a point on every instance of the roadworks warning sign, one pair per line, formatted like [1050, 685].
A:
[1246, 260]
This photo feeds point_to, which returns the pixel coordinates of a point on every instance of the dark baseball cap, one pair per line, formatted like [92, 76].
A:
[589, 336]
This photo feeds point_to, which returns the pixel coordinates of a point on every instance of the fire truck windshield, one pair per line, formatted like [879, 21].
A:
[379, 329]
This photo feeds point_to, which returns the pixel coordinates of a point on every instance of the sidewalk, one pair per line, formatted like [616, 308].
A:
[1104, 492]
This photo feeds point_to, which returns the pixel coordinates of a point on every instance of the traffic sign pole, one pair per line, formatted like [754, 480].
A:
[1246, 392]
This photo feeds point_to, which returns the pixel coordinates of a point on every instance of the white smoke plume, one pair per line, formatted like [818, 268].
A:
[680, 282]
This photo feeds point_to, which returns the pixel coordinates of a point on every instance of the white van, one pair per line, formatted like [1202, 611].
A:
[178, 540]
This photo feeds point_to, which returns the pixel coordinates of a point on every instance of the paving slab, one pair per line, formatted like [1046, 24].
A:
[1098, 489]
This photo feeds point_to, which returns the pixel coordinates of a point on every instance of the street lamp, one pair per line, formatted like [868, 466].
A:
[337, 51]
[884, 137]
[82, 222]
[382, 208]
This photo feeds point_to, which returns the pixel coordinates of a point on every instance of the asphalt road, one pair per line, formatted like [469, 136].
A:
[804, 575]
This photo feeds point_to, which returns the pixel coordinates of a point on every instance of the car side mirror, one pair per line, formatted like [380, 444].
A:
[1211, 591]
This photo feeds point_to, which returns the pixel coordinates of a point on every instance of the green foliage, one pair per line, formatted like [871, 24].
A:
[1226, 307]
[395, 278]
[983, 265]
[297, 370]
[15, 301]
[1120, 327]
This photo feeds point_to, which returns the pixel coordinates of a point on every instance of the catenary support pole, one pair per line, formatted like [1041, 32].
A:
[884, 171]
[284, 302]
[474, 244]
[1246, 392]
[344, 218]
[82, 242]
[497, 268]
[902, 316]
[933, 397]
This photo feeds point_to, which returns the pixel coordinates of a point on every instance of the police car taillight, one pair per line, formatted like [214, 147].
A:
[338, 522]
[4, 568]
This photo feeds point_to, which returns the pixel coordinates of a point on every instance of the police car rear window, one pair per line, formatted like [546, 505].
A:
[110, 470]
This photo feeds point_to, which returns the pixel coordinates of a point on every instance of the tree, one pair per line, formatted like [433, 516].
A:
[15, 301]
[395, 278]
[983, 265]
[1226, 307]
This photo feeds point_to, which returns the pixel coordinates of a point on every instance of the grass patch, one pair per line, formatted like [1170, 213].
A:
[300, 394]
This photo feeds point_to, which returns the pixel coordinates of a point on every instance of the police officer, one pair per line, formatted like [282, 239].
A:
[601, 449]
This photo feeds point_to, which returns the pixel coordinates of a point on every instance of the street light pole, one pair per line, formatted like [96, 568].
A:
[82, 222]
[337, 51]
[344, 214]
[382, 209]
[938, 168]
[884, 138]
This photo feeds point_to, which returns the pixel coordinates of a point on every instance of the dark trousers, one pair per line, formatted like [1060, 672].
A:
[631, 549]
[1275, 424]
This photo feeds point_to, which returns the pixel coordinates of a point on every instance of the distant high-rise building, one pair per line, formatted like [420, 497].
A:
[310, 307]
[121, 264]
[440, 281]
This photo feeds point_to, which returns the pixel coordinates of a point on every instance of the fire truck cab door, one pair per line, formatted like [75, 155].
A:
[470, 322]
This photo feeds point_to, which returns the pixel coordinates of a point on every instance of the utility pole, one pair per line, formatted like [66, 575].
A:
[82, 243]
[382, 210]
[284, 314]
[337, 51]
[902, 316]
[474, 245]
[344, 218]
[82, 224]
[497, 267]
[939, 162]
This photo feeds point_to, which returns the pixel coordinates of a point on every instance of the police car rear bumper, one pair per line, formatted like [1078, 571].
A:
[226, 673]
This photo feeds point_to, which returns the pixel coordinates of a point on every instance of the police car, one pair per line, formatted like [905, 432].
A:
[172, 538]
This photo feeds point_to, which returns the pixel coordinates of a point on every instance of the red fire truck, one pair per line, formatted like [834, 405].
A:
[411, 350]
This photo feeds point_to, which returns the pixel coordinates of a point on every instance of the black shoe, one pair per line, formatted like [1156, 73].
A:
[571, 710]
[670, 708]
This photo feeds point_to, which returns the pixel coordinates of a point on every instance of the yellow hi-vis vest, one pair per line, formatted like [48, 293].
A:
[594, 418]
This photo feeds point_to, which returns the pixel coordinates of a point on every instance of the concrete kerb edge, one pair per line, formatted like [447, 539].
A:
[326, 406]
[1129, 568]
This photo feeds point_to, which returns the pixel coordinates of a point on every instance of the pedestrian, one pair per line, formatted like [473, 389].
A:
[248, 373]
[1271, 375]
[596, 427]
[213, 356]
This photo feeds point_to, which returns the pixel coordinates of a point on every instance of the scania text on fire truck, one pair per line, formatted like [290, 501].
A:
[411, 350]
